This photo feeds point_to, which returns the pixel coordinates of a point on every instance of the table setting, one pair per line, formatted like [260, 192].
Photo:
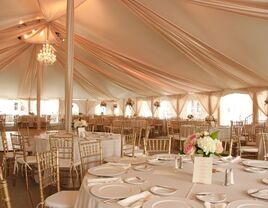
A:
[171, 182]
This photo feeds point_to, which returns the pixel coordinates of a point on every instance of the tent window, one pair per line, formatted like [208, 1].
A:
[145, 110]
[100, 110]
[195, 108]
[166, 110]
[128, 111]
[75, 109]
[236, 107]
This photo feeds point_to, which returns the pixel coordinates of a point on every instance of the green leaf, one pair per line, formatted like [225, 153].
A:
[214, 135]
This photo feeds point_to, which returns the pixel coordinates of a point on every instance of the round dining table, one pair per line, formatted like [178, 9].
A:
[181, 180]
[111, 143]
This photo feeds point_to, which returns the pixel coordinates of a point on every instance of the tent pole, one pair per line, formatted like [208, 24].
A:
[69, 65]
[39, 90]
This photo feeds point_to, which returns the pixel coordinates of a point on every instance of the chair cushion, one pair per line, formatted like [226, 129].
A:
[9, 155]
[249, 149]
[62, 199]
[29, 159]
[66, 163]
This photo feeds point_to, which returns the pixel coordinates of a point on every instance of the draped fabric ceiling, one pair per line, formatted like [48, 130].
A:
[136, 48]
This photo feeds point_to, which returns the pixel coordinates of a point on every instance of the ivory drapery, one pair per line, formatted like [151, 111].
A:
[181, 103]
[261, 97]
[209, 59]
[256, 8]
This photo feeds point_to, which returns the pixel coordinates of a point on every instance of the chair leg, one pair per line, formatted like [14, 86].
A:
[27, 185]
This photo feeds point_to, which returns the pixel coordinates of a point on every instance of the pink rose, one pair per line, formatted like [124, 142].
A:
[193, 139]
[189, 149]
[219, 147]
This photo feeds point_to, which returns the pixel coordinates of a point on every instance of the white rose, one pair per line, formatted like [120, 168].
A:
[207, 144]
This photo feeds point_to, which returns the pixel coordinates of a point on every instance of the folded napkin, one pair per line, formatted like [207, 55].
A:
[231, 159]
[218, 205]
[236, 159]
[122, 165]
[132, 200]
[97, 181]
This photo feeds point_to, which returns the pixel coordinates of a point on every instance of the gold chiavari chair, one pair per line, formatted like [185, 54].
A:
[185, 132]
[128, 142]
[265, 145]
[49, 180]
[90, 155]
[21, 157]
[8, 156]
[64, 144]
[157, 145]
[4, 194]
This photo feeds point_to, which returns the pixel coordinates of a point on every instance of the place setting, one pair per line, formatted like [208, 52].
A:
[259, 193]
[212, 200]
[255, 166]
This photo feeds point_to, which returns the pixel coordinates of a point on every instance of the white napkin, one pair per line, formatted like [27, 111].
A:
[236, 159]
[122, 165]
[218, 205]
[132, 199]
[97, 181]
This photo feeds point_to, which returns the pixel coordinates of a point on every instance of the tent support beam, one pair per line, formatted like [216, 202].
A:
[69, 65]
[39, 91]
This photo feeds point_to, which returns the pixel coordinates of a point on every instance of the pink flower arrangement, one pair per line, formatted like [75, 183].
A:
[103, 104]
[204, 144]
[157, 104]
[130, 102]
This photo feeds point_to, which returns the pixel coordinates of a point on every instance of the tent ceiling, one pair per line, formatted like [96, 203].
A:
[120, 52]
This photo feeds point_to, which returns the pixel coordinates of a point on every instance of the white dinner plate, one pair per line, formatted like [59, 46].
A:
[168, 202]
[255, 170]
[256, 163]
[165, 156]
[259, 193]
[220, 162]
[163, 191]
[114, 190]
[247, 204]
[211, 197]
[135, 180]
[143, 168]
[158, 162]
[106, 171]
[132, 160]
[265, 180]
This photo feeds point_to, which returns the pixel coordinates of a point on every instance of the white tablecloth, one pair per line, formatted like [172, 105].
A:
[181, 179]
[111, 144]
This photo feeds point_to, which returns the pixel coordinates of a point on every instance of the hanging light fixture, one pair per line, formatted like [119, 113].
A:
[47, 53]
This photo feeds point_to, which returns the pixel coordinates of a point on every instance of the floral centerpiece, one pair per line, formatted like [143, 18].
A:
[210, 118]
[190, 116]
[203, 144]
[79, 123]
[266, 101]
[103, 104]
[130, 102]
[157, 104]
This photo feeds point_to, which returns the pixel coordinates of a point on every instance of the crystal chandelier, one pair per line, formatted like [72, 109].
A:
[46, 54]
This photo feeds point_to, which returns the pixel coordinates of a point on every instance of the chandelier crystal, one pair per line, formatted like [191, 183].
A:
[46, 54]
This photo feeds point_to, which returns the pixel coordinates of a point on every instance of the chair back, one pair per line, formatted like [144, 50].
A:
[128, 142]
[64, 144]
[4, 194]
[264, 137]
[186, 131]
[19, 146]
[90, 155]
[157, 145]
[48, 173]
